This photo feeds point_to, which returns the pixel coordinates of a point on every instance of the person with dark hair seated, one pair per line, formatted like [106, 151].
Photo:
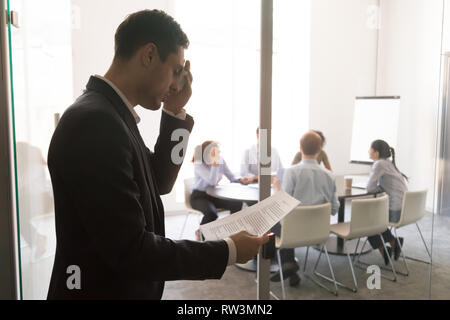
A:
[312, 185]
[209, 170]
[385, 177]
[321, 158]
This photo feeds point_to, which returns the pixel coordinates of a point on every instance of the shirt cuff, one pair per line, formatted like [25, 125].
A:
[231, 251]
[181, 115]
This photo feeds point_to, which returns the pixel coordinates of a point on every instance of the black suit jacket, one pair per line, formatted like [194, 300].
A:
[108, 211]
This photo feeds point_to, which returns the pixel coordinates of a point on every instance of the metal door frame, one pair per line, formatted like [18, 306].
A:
[265, 125]
[9, 275]
[444, 114]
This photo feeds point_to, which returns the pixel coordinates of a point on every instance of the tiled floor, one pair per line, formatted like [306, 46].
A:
[239, 284]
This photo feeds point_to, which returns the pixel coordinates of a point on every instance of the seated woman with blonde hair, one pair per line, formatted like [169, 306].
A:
[209, 168]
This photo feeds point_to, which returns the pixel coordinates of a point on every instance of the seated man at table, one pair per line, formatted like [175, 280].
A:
[312, 185]
[249, 163]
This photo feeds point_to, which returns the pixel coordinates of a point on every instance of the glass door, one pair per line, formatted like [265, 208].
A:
[323, 59]
[41, 72]
[9, 284]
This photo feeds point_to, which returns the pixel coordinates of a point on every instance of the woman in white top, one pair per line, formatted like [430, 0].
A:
[209, 168]
[385, 177]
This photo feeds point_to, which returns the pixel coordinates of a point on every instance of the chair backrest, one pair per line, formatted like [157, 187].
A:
[187, 192]
[305, 226]
[413, 208]
[369, 216]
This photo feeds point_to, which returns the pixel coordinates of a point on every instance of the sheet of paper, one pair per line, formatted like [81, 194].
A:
[257, 219]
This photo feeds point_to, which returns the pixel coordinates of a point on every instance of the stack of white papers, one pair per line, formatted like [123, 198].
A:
[256, 220]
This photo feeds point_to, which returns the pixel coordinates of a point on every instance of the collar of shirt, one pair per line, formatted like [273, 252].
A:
[122, 96]
[310, 161]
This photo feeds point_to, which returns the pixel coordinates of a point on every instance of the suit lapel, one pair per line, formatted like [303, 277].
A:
[102, 87]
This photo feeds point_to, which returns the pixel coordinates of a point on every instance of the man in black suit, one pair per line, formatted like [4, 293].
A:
[107, 183]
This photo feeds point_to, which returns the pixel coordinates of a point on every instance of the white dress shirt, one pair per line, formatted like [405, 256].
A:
[249, 163]
[311, 184]
[384, 177]
[209, 176]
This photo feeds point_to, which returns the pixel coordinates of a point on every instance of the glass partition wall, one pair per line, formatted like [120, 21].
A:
[440, 276]
[326, 53]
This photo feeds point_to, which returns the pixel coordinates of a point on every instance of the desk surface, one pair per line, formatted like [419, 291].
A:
[353, 192]
[236, 191]
[250, 193]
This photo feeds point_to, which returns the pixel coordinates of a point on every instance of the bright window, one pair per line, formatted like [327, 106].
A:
[225, 56]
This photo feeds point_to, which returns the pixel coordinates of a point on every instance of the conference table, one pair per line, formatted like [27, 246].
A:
[250, 195]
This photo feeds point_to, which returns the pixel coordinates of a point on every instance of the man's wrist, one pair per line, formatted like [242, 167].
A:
[180, 115]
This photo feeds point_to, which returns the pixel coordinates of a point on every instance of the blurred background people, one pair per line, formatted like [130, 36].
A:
[312, 185]
[249, 163]
[385, 177]
[209, 168]
[321, 158]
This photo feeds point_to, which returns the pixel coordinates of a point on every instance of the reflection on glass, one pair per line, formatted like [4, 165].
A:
[326, 53]
[42, 74]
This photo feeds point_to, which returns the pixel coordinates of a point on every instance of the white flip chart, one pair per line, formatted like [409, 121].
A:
[257, 219]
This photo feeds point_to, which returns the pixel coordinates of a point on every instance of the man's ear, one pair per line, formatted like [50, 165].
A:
[148, 54]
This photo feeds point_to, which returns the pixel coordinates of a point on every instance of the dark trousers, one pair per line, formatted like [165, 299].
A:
[375, 241]
[208, 205]
[286, 255]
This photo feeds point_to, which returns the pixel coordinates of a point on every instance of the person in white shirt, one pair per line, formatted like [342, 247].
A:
[249, 163]
[312, 185]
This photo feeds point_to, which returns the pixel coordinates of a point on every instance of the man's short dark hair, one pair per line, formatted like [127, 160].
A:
[143, 27]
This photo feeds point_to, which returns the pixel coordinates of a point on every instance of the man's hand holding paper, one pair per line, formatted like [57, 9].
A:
[256, 220]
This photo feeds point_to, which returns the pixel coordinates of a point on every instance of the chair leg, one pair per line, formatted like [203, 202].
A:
[390, 260]
[331, 270]
[184, 225]
[306, 259]
[425, 245]
[359, 255]
[402, 254]
[335, 292]
[353, 273]
[362, 265]
[354, 289]
[281, 274]
[356, 250]
[318, 259]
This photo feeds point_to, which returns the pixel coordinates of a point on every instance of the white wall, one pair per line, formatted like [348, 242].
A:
[94, 26]
[343, 64]
[446, 37]
[409, 65]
